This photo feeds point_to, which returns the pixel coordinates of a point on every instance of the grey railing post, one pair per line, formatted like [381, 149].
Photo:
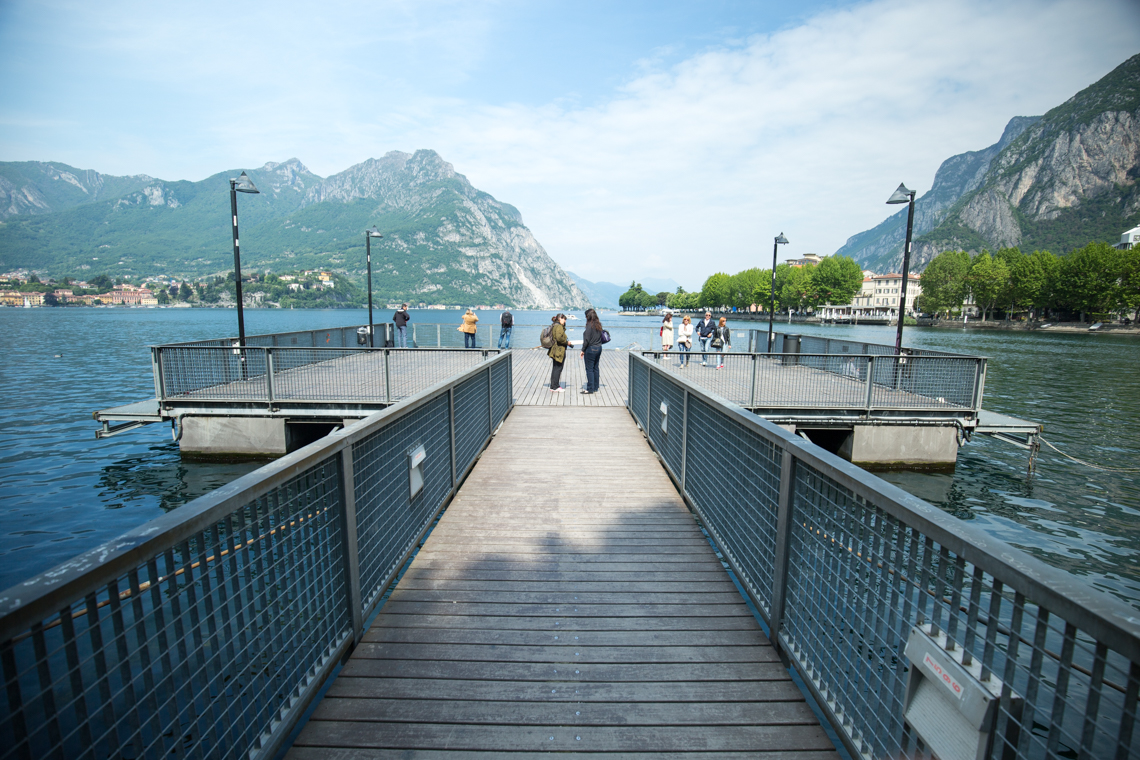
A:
[438, 339]
[979, 383]
[451, 424]
[649, 366]
[783, 536]
[269, 377]
[351, 548]
[490, 401]
[388, 375]
[752, 393]
[415, 335]
[870, 382]
[684, 438]
[156, 367]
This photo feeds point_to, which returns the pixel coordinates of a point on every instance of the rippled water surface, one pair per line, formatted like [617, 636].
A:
[62, 492]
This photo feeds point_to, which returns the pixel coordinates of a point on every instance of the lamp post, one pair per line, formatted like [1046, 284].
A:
[368, 235]
[903, 195]
[242, 184]
[780, 240]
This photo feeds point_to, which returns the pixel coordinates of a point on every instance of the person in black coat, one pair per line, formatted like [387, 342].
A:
[402, 318]
[592, 350]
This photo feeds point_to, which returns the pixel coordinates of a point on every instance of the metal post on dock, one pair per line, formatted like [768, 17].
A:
[269, 377]
[388, 375]
[350, 546]
[783, 538]
[870, 382]
[752, 393]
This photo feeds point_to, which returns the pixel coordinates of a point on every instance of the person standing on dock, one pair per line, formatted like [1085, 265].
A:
[667, 332]
[685, 339]
[557, 352]
[401, 318]
[721, 341]
[468, 329]
[705, 330]
[506, 322]
[592, 350]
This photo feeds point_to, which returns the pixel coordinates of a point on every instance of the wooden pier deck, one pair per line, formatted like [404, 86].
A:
[566, 602]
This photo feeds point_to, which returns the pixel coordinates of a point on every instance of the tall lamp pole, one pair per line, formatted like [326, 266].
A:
[903, 195]
[368, 235]
[242, 184]
[780, 240]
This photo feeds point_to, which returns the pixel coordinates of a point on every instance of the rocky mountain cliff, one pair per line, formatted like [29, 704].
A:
[1054, 182]
[444, 240]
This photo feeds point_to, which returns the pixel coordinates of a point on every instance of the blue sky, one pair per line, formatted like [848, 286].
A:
[638, 139]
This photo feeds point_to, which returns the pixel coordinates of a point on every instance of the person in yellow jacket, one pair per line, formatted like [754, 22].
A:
[468, 329]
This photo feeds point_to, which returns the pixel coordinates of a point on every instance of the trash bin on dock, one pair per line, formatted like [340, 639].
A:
[791, 349]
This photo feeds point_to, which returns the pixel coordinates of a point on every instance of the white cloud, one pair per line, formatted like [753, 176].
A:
[806, 131]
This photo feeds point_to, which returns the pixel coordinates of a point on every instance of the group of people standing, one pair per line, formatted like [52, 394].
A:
[709, 333]
[591, 351]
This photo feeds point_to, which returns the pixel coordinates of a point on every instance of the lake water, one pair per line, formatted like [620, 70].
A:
[62, 492]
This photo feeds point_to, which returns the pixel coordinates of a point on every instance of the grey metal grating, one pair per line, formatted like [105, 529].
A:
[858, 579]
[668, 441]
[638, 391]
[472, 420]
[388, 521]
[846, 565]
[195, 651]
[501, 392]
[733, 477]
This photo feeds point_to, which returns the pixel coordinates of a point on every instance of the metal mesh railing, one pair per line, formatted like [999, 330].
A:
[271, 375]
[205, 633]
[844, 567]
[830, 381]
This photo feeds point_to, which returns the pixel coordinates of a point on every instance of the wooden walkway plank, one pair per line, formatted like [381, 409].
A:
[566, 602]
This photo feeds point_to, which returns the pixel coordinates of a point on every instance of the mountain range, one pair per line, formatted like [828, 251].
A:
[1054, 182]
[444, 241]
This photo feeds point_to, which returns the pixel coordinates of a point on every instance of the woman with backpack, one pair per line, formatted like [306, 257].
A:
[721, 341]
[557, 351]
[592, 338]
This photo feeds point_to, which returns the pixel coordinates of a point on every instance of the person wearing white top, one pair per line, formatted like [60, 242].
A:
[685, 339]
[667, 332]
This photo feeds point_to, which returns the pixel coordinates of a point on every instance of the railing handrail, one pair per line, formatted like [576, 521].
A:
[35, 599]
[1102, 615]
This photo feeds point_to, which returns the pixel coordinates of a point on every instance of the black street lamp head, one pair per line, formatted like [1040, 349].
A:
[243, 184]
[373, 233]
[902, 195]
[781, 240]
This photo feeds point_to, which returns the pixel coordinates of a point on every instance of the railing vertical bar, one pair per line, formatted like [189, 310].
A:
[969, 640]
[1033, 686]
[350, 547]
[1092, 704]
[47, 690]
[156, 368]
[438, 337]
[142, 651]
[897, 623]
[684, 438]
[75, 676]
[102, 672]
[186, 691]
[924, 572]
[1061, 689]
[123, 656]
[451, 423]
[752, 392]
[18, 724]
[388, 375]
[233, 533]
[269, 369]
[870, 400]
[783, 547]
[990, 646]
[1128, 717]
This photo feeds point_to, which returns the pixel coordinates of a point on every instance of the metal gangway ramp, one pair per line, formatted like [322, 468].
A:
[566, 601]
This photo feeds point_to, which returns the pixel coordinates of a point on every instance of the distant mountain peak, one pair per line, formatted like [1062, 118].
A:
[1057, 181]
